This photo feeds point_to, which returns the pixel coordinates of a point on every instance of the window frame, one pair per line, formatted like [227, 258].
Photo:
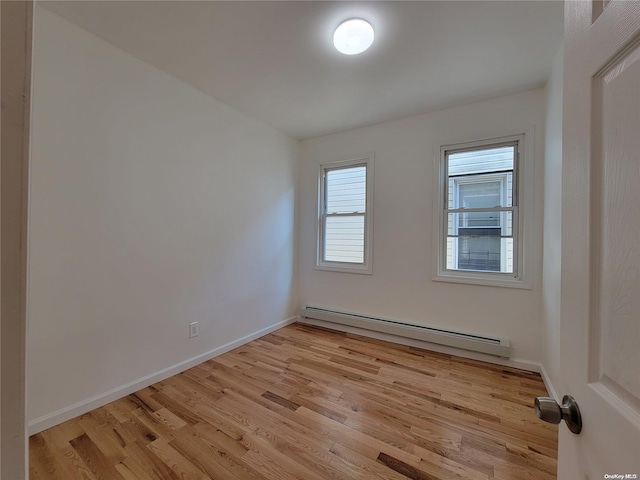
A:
[347, 267]
[522, 204]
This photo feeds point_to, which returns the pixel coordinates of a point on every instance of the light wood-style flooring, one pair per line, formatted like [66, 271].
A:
[310, 403]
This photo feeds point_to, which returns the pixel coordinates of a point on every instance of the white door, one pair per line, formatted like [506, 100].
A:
[600, 322]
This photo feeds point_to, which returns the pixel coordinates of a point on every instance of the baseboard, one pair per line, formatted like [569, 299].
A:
[47, 421]
[547, 383]
[507, 362]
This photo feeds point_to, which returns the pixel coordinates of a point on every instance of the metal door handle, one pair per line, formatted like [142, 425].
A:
[548, 410]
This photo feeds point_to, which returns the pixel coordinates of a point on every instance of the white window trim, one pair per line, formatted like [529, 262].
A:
[524, 172]
[346, 267]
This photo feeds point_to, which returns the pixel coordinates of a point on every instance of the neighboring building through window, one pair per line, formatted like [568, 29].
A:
[480, 237]
[344, 223]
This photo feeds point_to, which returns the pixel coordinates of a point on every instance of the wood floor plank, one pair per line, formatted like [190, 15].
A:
[366, 467]
[149, 462]
[405, 469]
[138, 430]
[103, 437]
[449, 467]
[272, 462]
[267, 422]
[218, 439]
[358, 442]
[182, 467]
[311, 403]
[101, 466]
[132, 470]
[71, 463]
[201, 455]
[53, 463]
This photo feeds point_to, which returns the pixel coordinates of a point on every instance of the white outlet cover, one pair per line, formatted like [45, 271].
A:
[193, 330]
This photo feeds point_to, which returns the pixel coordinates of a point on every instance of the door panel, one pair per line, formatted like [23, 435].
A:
[616, 325]
[600, 311]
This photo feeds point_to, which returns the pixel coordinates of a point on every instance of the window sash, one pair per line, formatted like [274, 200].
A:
[446, 234]
[357, 242]
[498, 171]
[513, 236]
[339, 190]
[323, 245]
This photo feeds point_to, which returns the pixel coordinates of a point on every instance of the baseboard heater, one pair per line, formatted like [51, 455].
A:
[500, 347]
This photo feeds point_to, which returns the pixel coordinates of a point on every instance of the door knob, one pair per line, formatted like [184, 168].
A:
[548, 410]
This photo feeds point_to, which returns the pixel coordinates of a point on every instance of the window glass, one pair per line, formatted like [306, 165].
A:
[344, 239]
[346, 190]
[480, 161]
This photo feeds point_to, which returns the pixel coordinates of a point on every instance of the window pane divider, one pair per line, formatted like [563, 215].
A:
[479, 174]
[479, 236]
[350, 214]
[474, 210]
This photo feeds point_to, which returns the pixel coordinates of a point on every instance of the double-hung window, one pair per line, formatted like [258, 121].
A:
[480, 231]
[345, 217]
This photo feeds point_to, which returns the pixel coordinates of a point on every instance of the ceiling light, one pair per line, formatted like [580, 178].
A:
[353, 36]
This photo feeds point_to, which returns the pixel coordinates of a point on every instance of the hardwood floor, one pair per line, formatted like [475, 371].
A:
[309, 403]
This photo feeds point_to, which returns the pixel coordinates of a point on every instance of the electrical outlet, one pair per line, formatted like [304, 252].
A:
[194, 331]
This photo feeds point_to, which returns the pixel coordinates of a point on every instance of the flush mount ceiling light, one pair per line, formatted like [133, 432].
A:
[353, 36]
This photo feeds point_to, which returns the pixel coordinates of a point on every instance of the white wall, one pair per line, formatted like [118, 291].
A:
[551, 276]
[401, 286]
[152, 206]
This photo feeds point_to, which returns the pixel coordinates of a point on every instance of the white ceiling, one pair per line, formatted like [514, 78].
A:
[275, 60]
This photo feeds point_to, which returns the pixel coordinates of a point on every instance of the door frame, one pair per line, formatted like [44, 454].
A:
[16, 30]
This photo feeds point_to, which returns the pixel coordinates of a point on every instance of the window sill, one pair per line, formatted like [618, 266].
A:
[470, 278]
[360, 269]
